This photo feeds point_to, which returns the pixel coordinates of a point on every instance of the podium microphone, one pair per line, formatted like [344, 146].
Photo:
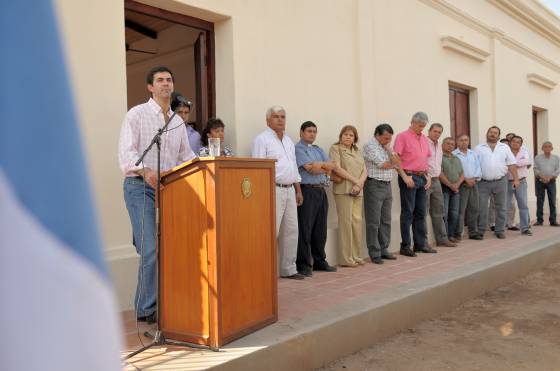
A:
[177, 100]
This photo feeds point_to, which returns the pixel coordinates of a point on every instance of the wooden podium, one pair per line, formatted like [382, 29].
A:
[217, 275]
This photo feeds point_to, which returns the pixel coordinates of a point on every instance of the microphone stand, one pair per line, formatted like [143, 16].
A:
[158, 338]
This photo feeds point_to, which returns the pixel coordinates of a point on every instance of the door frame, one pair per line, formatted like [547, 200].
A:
[209, 101]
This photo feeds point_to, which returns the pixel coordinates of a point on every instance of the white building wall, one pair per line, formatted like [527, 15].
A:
[334, 62]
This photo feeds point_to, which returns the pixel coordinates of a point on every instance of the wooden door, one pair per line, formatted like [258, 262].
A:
[459, 111]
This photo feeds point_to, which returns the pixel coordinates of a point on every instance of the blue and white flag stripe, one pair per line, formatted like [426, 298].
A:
[40, 148]
[58, 310]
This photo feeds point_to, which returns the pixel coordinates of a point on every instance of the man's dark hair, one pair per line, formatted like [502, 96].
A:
[504, 140]
[517, 137]
[213, 123]
[437, 125]
[382, 129]
[153, 71]
[307, 124]
[494, 127]
[512, 135]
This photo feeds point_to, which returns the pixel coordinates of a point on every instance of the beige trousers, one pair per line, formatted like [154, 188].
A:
[349, 210]
[287, 229]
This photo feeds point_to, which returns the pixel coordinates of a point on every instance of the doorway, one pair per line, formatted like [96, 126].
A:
[459, 111]
[156, 37]
[540, 127]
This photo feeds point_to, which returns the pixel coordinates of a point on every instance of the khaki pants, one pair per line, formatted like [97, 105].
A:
[349, 210]
[287, 229]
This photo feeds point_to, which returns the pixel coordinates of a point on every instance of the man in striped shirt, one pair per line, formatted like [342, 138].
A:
[139, 127]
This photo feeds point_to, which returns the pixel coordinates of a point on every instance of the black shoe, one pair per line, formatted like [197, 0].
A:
[389, 256]
[377, 260]
[447, 243]
[500, 235]
[407, 252]
[478, 237]
[306, 273]
[149, 319]
[527, 232]
[296, 276]
[325, 268]
[492, 228]
[426, 249]
[514, 228]
[538, 223]
[553, 224]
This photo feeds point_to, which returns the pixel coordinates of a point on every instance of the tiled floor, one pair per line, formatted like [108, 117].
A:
[301, 298]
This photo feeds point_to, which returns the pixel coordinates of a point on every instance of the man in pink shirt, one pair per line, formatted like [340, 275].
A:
[524, 162]
[412, 147]
[434, 192]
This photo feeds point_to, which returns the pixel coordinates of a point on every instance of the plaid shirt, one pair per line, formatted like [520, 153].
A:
[375, 156]
[140, 125]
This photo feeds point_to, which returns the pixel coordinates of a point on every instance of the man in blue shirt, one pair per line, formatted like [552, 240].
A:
[313, 165]
[468, 202]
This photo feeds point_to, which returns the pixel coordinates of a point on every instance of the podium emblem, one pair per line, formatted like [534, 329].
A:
[246, 187]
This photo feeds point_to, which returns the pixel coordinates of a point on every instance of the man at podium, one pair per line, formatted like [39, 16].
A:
[139, 127]
[273, 143]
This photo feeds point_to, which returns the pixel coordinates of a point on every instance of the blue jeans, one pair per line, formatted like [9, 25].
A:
[540, 189]
[141, 209]
[451, 202]
[413, 212]
[520, 194]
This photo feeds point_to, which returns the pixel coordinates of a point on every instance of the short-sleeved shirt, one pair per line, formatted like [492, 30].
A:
[268, 145]
[305, 154]
[494, 164]
[413, 150]
[375, 156]
[471, 165]
[351, 160]
[451, 167]
[547, 166]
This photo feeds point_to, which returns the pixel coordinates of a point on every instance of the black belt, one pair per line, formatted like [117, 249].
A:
[379, 180]
[520, 179]
[140, 177]
[284, 185]
[313, 185]
[492, 180]
[417, 173]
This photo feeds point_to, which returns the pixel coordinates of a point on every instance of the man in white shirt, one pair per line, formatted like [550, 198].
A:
[273, 143]
[140, 125]
[495, 161]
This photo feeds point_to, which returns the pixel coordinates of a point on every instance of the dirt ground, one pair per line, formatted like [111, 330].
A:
[516, 327]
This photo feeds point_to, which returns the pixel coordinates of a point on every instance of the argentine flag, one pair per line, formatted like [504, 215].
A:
[57, 308]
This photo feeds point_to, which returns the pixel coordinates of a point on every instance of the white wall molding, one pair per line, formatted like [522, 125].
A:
[526, 15]
[540, 80]
[464, 48]
[474, 23]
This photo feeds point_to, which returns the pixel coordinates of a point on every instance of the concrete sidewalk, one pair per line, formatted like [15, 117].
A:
[331, 315]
